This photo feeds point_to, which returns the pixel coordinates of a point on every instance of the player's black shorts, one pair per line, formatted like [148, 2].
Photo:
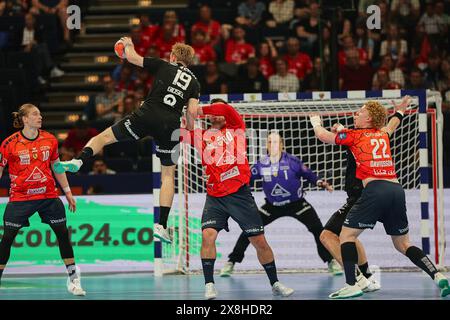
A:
[163, 125]
[17, 213]
[240, 206]
[382, 201]
[334, 224]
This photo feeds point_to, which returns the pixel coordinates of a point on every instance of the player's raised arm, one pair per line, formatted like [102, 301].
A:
[131, 55]
[191, 113]
[64, 183]
[396, 119]
[321, 133]
[232, 117]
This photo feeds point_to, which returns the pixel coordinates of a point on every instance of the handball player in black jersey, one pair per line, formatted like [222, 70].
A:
[159, 116]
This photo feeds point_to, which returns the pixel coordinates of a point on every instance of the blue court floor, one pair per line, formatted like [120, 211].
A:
[310, 286]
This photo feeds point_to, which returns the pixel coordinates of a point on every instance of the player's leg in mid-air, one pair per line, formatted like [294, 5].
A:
[135, 127]
[330, 239]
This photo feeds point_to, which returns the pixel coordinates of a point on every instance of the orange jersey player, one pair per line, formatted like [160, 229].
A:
[383, 198]
[30, 154]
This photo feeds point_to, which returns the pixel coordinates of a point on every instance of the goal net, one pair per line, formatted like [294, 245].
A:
[294, 247]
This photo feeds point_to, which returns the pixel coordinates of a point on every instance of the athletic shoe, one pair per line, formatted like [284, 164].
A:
[367, 284]
[347, 292]
[210, 291]
[279, 289]
[71, 166]
[74, 287]
[227, 269]
[161, 233]
[442, 283]
[335, 268]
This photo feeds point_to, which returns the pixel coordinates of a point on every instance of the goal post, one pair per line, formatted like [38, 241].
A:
[416, 144]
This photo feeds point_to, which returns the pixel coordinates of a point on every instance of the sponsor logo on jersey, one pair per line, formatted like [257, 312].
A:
[37, 191]
[342, 135]
[279, 191]
[226, 158]
[24, 159]
[233, 172]
[281, 203]
[44, 148]
[385, 163]
[128, 127]
[36, 176]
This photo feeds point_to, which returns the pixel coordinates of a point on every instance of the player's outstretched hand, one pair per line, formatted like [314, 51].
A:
[337, 127]
[402, 106]
[325, 185]
[127, 41]
[72, 202]
[315, 119]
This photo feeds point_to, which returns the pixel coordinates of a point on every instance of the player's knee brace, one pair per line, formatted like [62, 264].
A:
[62, 234]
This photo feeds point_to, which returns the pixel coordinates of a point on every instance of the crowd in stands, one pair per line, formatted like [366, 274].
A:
[266, 46]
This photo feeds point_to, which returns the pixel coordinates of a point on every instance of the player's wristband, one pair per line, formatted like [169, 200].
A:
[339, 128]
[315, 121]
[319, 183]
[67, 190]
[399, 115]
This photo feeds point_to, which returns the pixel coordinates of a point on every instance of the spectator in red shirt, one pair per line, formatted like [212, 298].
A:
[208, 25]
[140, 45]
[266, 55]
[348, 44]
[298, 63]
[203, 51]
[353, 75]
[148, 30]
[166, 40]
[126, 82]
[178, 31]
[76, 139]
[237, 50]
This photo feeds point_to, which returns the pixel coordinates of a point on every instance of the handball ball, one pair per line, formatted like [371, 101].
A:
[119, 48]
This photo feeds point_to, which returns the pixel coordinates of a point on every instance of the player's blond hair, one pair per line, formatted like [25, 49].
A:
[377, 113]
[22, 112]
[184, 53]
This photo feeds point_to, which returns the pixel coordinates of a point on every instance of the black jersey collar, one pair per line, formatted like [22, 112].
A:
[25, 137]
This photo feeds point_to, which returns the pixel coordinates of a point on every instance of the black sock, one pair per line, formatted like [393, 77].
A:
[164, 216]
[208, 270]
[85, 154]
[271, 271]
[418, 257]
[350, 259]
[1, 273]
[365, 270]
[71, 271]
